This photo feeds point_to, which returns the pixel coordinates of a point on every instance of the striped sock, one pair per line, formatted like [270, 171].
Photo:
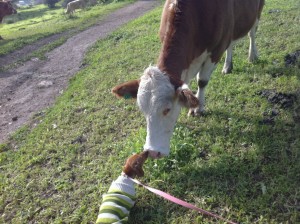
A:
[117, 202]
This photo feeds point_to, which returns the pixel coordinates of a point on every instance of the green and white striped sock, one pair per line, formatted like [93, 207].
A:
[118, 201]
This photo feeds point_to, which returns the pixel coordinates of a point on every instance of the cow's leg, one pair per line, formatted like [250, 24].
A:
[202, 79]
[253, 55]
[228, 66]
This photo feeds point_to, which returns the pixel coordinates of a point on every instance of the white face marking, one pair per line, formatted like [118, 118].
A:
[156, 99]
[156, 96]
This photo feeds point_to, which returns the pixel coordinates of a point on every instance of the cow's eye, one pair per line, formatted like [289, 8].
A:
[166, 111]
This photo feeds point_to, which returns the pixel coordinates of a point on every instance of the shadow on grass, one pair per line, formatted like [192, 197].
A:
[24, 15]
[253, 183]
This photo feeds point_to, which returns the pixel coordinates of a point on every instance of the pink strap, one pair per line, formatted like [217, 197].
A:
[180, 202]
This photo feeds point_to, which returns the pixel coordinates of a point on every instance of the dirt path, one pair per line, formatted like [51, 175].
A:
[29, 88]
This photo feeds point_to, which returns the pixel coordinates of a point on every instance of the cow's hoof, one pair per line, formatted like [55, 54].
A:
[253, 58]
[196, 112]
[227, 68]
[155, 155]
[226, 71]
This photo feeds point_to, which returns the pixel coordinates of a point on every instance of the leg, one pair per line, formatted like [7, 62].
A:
[228, 66]
[202, 78]
[253, 55]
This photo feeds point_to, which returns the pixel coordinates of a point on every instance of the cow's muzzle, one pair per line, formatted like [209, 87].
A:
[155, 154]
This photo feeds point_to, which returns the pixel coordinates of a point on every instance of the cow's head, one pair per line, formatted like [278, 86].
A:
[160, 101]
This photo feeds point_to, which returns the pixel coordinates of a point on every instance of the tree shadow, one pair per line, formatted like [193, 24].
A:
[31, 14]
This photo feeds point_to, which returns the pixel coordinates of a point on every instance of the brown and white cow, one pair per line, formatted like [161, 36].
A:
[6, 9]
[194, 34]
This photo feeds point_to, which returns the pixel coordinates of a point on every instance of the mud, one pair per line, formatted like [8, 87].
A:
[269, 117]
[281, 99]
[278, 100]
[292, 59]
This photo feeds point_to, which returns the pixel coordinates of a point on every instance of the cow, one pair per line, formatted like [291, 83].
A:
[6, 9]
[71, 6]
[194, 35]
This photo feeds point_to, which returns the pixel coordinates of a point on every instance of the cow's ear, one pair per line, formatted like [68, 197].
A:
[186, 97]
[127, 90]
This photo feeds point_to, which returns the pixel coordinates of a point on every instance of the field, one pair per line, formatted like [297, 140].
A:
[241, 160]
[33, 23]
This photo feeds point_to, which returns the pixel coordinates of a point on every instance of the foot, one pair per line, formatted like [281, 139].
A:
[252, 58]
[196, 112]
[227, 69]
[155, 155]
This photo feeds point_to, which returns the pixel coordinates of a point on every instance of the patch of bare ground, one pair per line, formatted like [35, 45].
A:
[22, 54]
[33, 86]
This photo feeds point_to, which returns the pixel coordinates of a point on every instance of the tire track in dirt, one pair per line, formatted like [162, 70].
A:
[34, 86]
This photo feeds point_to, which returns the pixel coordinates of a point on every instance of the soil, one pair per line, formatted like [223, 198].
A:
[33, 86]
[292, 59]
[283, 100]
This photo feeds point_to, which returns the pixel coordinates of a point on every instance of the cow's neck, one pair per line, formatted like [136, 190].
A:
[173, 70]
[175, 57]
[177, 52]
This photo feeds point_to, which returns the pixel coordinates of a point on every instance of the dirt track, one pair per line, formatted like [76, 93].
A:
[33, 86]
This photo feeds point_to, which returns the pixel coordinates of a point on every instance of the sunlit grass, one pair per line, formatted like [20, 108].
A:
[31, 24]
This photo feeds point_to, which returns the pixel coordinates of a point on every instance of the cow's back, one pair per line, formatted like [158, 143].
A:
[246, 13]
[190, 27]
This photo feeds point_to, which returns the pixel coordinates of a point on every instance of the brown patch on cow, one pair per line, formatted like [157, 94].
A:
[127, 90]
[245, 17]
[134, 164]
[175, 82]
[187, 98]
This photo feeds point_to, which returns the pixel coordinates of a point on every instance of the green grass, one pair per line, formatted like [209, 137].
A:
[227, 162]
[33, 23]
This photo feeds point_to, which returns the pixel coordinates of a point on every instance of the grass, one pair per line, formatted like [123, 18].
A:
[230, 161]
[33, 23]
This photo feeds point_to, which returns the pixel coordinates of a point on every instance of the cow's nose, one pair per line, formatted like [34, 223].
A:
[155, 155]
